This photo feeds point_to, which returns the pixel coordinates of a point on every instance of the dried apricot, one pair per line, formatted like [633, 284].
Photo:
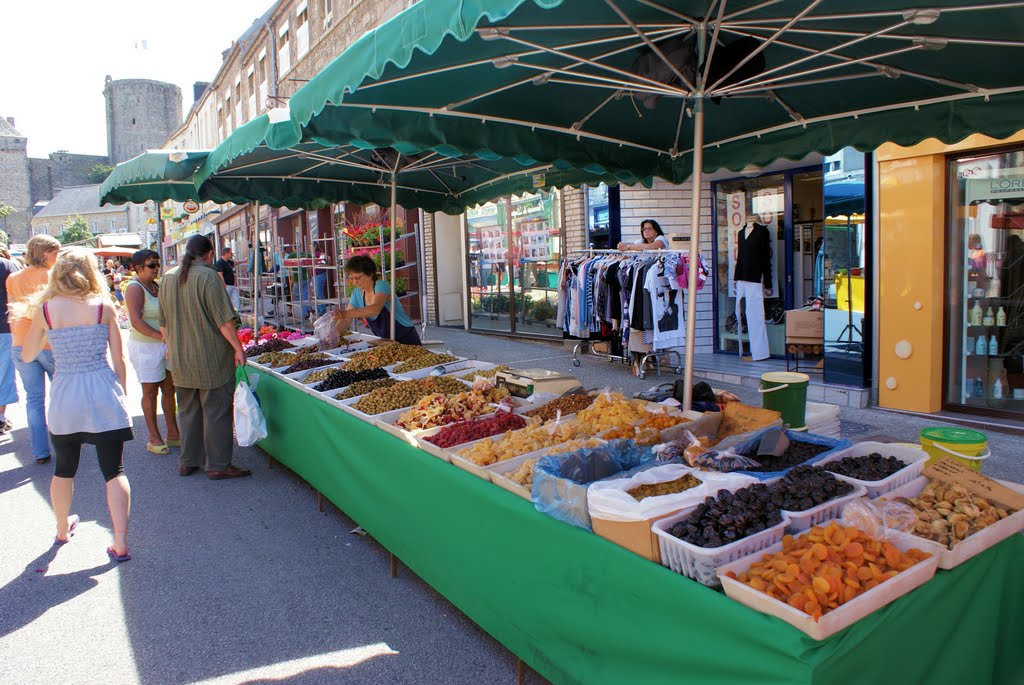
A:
[820, 584]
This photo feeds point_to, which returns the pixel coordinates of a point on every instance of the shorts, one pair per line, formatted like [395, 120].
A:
[148, 360]
[8, 386]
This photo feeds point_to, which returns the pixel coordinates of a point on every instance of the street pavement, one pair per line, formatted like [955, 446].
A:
[244, 581]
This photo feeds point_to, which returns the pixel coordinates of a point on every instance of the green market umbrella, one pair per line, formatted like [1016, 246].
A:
[154, 175]
[316, 173]
[672, 87]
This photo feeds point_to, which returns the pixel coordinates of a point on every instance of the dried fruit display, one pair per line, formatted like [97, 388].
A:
[362, 387]
[317, 376]
[827, 567]
[797, 453]
[425, 360]
[729, 516]
[612, 410]
[339, 378]
[407, 393]
[671, 487]
[648, 431]
[276, 359]
[383, 355]
[485, 373]
[437, 410]
[468, 431]
[806, 487]
[570, 404]
[523, 475]
[871, 467]
[573, 445]
[272, 345]
[949, 514]
[310, 361]
[534, 437]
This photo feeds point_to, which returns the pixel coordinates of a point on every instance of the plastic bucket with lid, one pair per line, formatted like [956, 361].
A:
[967, 446]
[786, 392]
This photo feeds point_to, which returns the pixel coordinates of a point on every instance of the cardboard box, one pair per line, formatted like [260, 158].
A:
[636, 536]
[805, 326]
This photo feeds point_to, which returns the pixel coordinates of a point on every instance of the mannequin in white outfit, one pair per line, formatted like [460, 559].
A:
[753, 280]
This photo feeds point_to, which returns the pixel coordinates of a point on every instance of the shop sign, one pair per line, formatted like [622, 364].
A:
[539, 180]
[190, 207]
[1009, 186]
[529, 206]
[150, 221]
[167, 213]
[482, 211]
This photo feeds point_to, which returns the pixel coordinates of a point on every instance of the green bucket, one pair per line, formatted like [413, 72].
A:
[786, 392]
[966, 446]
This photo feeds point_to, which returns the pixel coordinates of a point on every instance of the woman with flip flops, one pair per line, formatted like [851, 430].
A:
[147, 350]
[87, 397]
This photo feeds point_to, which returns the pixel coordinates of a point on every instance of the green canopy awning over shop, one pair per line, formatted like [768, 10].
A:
[316, 173]
[155, 175]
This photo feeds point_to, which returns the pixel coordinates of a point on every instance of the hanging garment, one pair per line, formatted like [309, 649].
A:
[754, 255]
[753, 293]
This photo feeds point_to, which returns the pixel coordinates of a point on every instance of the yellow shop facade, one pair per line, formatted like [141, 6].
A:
[950, 297]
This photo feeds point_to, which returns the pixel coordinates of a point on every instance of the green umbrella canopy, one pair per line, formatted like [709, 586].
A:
[155, 175]
[315, 173]
[611, 83]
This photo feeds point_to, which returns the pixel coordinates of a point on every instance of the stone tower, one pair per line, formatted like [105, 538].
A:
[141, 115]
[15, 188]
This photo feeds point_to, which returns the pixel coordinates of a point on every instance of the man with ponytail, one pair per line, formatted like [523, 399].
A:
[198, 323]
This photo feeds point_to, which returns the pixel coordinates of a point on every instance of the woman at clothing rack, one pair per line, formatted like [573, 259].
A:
[652, 238]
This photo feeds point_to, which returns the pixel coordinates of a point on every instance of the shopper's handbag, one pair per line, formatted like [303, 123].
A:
[250, 425]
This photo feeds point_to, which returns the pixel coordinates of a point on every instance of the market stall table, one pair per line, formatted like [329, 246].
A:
[580, 609]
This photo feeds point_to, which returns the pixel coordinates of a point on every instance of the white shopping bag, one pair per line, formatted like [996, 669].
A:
[250, 425]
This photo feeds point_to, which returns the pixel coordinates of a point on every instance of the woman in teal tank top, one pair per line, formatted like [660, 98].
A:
[148, 352]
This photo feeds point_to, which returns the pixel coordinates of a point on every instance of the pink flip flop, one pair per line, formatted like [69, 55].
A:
[72, 524]
[119, 558]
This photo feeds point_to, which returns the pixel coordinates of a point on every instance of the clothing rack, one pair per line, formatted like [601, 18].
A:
[624, 358]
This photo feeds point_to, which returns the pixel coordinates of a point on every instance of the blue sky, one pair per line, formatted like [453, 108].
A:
[56, 55]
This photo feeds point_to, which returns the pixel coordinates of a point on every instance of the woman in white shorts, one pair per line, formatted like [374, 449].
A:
[147, 351]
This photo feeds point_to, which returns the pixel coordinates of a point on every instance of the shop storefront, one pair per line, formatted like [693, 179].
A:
[817, 220]
[951, 238]
[513, 247]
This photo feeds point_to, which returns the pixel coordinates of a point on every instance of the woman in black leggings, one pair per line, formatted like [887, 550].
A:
[87, 401]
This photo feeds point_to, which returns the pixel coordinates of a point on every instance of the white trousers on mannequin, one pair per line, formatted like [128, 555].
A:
[753, 293]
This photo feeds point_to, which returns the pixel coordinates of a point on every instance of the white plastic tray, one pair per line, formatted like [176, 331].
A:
[974, 544]
[500, 470]
[302, 375]
[841, 617]
[800, 521]
[701, 563]
[460, 366]
[444, 452]
[333, 361]
[913, 457]
[467, 465]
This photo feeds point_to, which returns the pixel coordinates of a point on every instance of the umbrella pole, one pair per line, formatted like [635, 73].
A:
[257, 268]
[691, 292]
[394, 229]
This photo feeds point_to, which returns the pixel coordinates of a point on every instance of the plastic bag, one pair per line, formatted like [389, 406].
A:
[326, 331]
[879, 519]
[560, 481]
[725, 461]
[250, 424]
[610, 500]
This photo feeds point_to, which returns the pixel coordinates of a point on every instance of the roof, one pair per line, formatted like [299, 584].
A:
[81, 200]
[8, 131]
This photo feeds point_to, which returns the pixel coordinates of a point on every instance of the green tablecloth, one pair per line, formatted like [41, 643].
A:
[580, 609]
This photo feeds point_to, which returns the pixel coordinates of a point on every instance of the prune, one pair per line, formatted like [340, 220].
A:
[797, 453]
[728, 517]
[340, 378]
[805, 487]
[872, 467]
[272, 345]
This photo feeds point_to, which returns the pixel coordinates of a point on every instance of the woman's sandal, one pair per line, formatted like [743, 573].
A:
[157, 449]
[119, 558]
[72, 524]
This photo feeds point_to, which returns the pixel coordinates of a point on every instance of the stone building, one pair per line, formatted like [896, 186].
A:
[15, 183]
[141, 114]
[81, 201]
[61, 170]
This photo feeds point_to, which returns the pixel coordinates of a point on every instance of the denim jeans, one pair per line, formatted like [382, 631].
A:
[8, 384]
[33, 377]
[320, 283]
[300, 295]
